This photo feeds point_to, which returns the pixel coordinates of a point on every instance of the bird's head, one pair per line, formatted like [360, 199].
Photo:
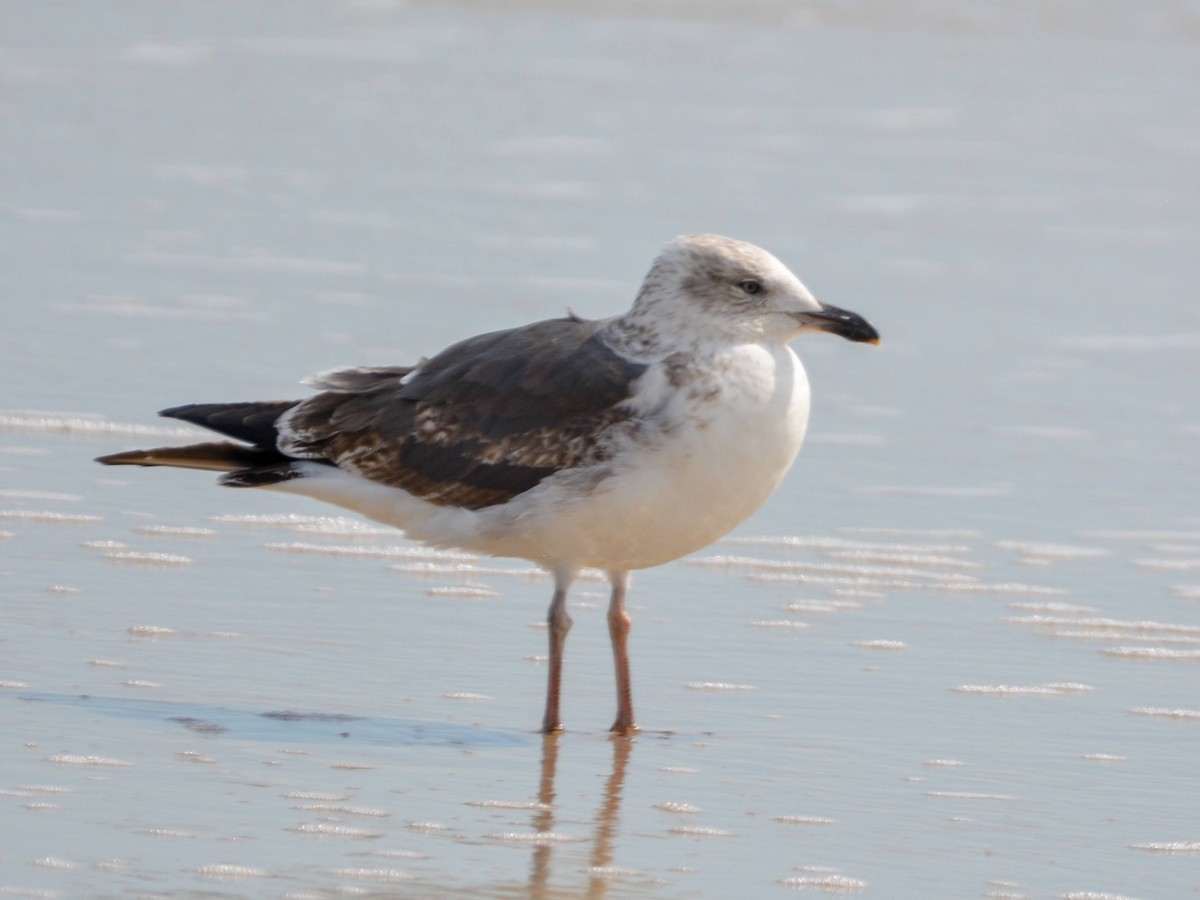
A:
[731, 287]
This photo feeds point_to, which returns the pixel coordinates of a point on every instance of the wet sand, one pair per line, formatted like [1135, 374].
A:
[956, 655]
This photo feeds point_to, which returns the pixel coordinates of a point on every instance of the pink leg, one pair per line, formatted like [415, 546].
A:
[619, 625]
[560, 624]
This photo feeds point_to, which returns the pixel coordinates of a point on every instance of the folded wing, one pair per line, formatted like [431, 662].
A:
[481, 422]
[485, 420]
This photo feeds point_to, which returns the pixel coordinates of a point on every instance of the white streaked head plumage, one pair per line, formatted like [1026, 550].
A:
[706, 287]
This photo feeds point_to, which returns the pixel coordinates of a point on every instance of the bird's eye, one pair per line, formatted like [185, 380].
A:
[750, 286]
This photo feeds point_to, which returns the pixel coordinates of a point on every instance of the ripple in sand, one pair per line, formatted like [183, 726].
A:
[1131, 627]
[39, 495]
[333, 525]
[901, 558]
[1051, 552]
[697, 831]
[53, 862]
[927, 533]
[1051, 689]
[175, 531]
[376, 875]
[858, 571]
[538, 838]
[463, 591]
[830, 543]
[344, 810]
[680, 808]
[881, 645]
[90, 762]
[821, 606]
[969, 795]
[717, 687]
[1144, 536]
[82, 425]
[805, 820]
[1162, 712]
[826, 884]
[394, 552]
[34, 515]
[1169, 564]
[328, 829]
[902, 584]
[153, 560]
[1038, 606]
[509, 804]
[1182, 847]
[315, 795]
[229, 871]
[1155, 653]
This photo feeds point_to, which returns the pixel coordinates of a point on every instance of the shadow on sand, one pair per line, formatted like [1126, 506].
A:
[284, 725]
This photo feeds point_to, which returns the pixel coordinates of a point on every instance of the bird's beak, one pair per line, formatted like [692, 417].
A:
[842, 322]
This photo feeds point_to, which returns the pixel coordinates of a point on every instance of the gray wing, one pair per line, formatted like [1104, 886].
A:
[481, 422]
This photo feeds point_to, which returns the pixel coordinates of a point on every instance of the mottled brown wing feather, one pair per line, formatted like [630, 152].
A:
[481, 422]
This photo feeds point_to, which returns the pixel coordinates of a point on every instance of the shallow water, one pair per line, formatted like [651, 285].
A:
[956, 655]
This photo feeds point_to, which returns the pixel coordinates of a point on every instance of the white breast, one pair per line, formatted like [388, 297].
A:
[724, 442]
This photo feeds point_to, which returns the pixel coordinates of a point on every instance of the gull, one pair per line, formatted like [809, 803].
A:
[617, 444]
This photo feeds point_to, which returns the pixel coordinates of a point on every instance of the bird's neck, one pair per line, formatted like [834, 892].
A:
[653, 331]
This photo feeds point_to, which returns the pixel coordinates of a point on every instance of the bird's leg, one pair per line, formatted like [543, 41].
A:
[560, 624]
[619, 624]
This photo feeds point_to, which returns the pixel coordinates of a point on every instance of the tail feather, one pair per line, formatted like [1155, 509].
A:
[253, 422]
[218, 456]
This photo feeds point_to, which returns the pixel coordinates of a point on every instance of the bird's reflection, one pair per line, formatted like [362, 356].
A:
[606, 819]
[543, 820]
